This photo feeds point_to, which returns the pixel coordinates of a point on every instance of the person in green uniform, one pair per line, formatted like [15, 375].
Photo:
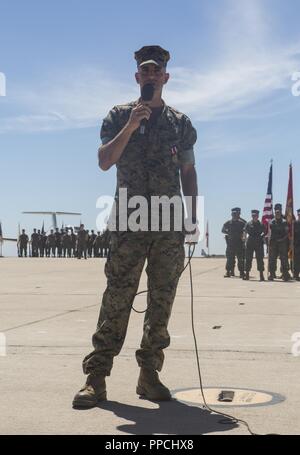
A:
[151, 145]
[234, 236]
[66, 244]
[97, 245]
[278, 246]
[73, 243]
[23, 244]
[51, 243]
[82, 237]
[297, 246]
[91, 244]
[35, 244]
[255, 231]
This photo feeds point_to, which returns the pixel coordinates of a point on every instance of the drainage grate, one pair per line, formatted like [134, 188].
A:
[226, 396]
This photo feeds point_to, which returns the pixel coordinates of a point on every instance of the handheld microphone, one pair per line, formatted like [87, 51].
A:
[147, 93]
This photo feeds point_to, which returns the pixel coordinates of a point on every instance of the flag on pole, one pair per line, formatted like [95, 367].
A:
[43, 229]
[207, 236]
[289, 210]
[268, 213]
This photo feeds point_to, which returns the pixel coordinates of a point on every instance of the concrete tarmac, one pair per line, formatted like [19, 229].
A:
[49, 310]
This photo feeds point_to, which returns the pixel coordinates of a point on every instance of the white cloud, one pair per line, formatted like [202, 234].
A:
[76, 100]
[226, 90]
[251, 68]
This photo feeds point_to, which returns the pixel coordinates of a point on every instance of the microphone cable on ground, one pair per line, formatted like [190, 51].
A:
[206, 406]
[231, 418]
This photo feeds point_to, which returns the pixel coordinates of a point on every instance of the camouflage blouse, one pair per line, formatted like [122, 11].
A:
[150, 162]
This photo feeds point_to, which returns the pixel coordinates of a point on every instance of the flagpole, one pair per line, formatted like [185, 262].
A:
[1, 239]
[293, 249]
[293, 230]
[268, 213]
[207, 239]
[269, 224]
[268, 249]
[289, 213]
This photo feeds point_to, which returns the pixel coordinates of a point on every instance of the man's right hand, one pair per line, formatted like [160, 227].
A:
[137, 114]
[110, 153]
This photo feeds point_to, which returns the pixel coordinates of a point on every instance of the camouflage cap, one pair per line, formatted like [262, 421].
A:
[278, 206]
[255, 212]
[152, 54]
[298, 211]
[236, 209]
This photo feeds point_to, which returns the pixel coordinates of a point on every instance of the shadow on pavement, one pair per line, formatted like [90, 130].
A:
[169, 418]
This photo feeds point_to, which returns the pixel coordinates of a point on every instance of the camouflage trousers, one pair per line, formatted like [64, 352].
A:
[81, 250]
[297, 259]
[235, 249]
[257, 247]
[165, 255]
[278, 249]
[23, 249]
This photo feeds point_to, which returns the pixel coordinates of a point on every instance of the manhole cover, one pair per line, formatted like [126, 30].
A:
[240, 397]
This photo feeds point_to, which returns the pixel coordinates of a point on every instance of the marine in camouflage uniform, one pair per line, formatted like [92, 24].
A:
[73, 243]
[151, 164]
[22, 244]
[39, 242]
[297, 247]
[42, 243]
[58, 242]
[82, 237]
[255, 244]
[66, 244]
[91, 248]
[51, 243]
[35, 244]
[278, 246]
[234, 235]
[97, 245]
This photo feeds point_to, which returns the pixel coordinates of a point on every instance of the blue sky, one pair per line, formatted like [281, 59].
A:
[67, 63]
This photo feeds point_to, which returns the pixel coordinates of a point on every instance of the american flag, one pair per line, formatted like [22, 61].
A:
[268, 214]
[1, 235]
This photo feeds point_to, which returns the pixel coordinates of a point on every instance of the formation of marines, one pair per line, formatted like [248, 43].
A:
[244, 238]
[65, 242]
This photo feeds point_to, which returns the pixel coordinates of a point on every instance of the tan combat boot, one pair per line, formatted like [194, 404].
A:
[93, 391]
[149, 386]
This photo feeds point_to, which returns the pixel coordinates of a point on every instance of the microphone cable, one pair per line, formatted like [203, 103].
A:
[228, 418]
[205, 405]
[157, 289]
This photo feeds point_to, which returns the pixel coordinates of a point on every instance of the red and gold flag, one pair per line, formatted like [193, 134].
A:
[289, 211]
